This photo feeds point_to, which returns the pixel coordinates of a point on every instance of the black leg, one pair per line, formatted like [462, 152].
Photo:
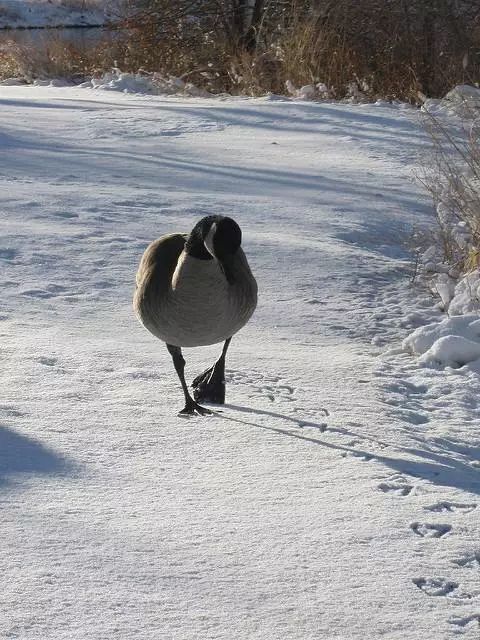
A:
[191, 407]
[209, 386]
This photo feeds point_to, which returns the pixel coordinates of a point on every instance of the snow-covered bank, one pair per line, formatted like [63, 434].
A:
[29, 14]
[120, 520]
[449, 267]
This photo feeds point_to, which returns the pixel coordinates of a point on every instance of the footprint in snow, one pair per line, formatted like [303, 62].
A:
[355, 452]
[469, 560]
[435, 586]
[11, 411]
[50, 291]
[463, 621]
[452, 507]
[406, 388]
[362, 455]
[279, 391]
[143, 374]
[398, 488]
[413, 417]
[7, 254]
[37, 293]
[271, 388]
[321, 426]
[48, 362]
[66, 214]
[427, 530]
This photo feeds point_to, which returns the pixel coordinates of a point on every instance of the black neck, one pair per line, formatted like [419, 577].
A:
[195, 246]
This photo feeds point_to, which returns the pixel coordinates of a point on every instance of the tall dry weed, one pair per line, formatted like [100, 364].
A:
[453, 179]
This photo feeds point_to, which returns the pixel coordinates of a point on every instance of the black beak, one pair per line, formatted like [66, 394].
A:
[226, 265]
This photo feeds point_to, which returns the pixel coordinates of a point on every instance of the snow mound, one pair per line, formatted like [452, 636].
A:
[12, 82]
[451, 351]
[466, 297]
[318, 91]
[454, 342]
[464, 93]
[444, 285]
[273, 97]
[458, 296]
[460, 101]
[53, 82]
[151, 83]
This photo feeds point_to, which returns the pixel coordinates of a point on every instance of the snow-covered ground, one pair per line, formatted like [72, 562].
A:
[53, 13]
[271, 520]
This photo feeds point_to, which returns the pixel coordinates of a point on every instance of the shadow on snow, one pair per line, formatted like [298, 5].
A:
[440, 468]
[20, 454]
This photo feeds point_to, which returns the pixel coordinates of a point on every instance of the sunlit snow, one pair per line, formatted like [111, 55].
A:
[272, 520]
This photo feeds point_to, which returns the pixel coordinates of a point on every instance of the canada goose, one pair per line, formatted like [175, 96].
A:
[193, 290]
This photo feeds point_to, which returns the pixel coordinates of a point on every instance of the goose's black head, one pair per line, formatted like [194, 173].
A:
[215, 237]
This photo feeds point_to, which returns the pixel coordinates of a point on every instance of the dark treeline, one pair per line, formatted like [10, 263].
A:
[391, 48]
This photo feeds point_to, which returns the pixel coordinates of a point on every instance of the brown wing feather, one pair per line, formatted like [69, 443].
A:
[154, 275]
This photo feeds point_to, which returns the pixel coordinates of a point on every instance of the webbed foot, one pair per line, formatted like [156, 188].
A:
[193, 409]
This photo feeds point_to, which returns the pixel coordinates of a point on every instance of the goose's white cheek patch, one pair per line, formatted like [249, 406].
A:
[208, 242]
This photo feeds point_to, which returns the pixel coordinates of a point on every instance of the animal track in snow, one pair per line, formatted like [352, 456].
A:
[48, 362]
[143, 374]
[271, 388]
[452, 507]
[66, 214]
[399, 488]
[426, 530]
[276, 390]
[413, 417]
[11, 411]
[470, 560]
[406, 388]
[435, 586]
[50, 291]
[465, 620]
[362, 455]
[7, 254]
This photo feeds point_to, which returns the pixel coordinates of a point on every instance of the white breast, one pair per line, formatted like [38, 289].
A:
[202, 308]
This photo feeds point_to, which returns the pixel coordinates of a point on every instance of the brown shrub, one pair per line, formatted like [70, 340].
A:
[392, 49]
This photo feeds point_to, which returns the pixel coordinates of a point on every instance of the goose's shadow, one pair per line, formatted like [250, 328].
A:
[20, 454]
[301, 423]
[442, 467]
[297, 421]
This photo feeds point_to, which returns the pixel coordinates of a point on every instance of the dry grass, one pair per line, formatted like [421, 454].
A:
[384, 49]
[389, 49]
[54, 56]
[453, 179]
